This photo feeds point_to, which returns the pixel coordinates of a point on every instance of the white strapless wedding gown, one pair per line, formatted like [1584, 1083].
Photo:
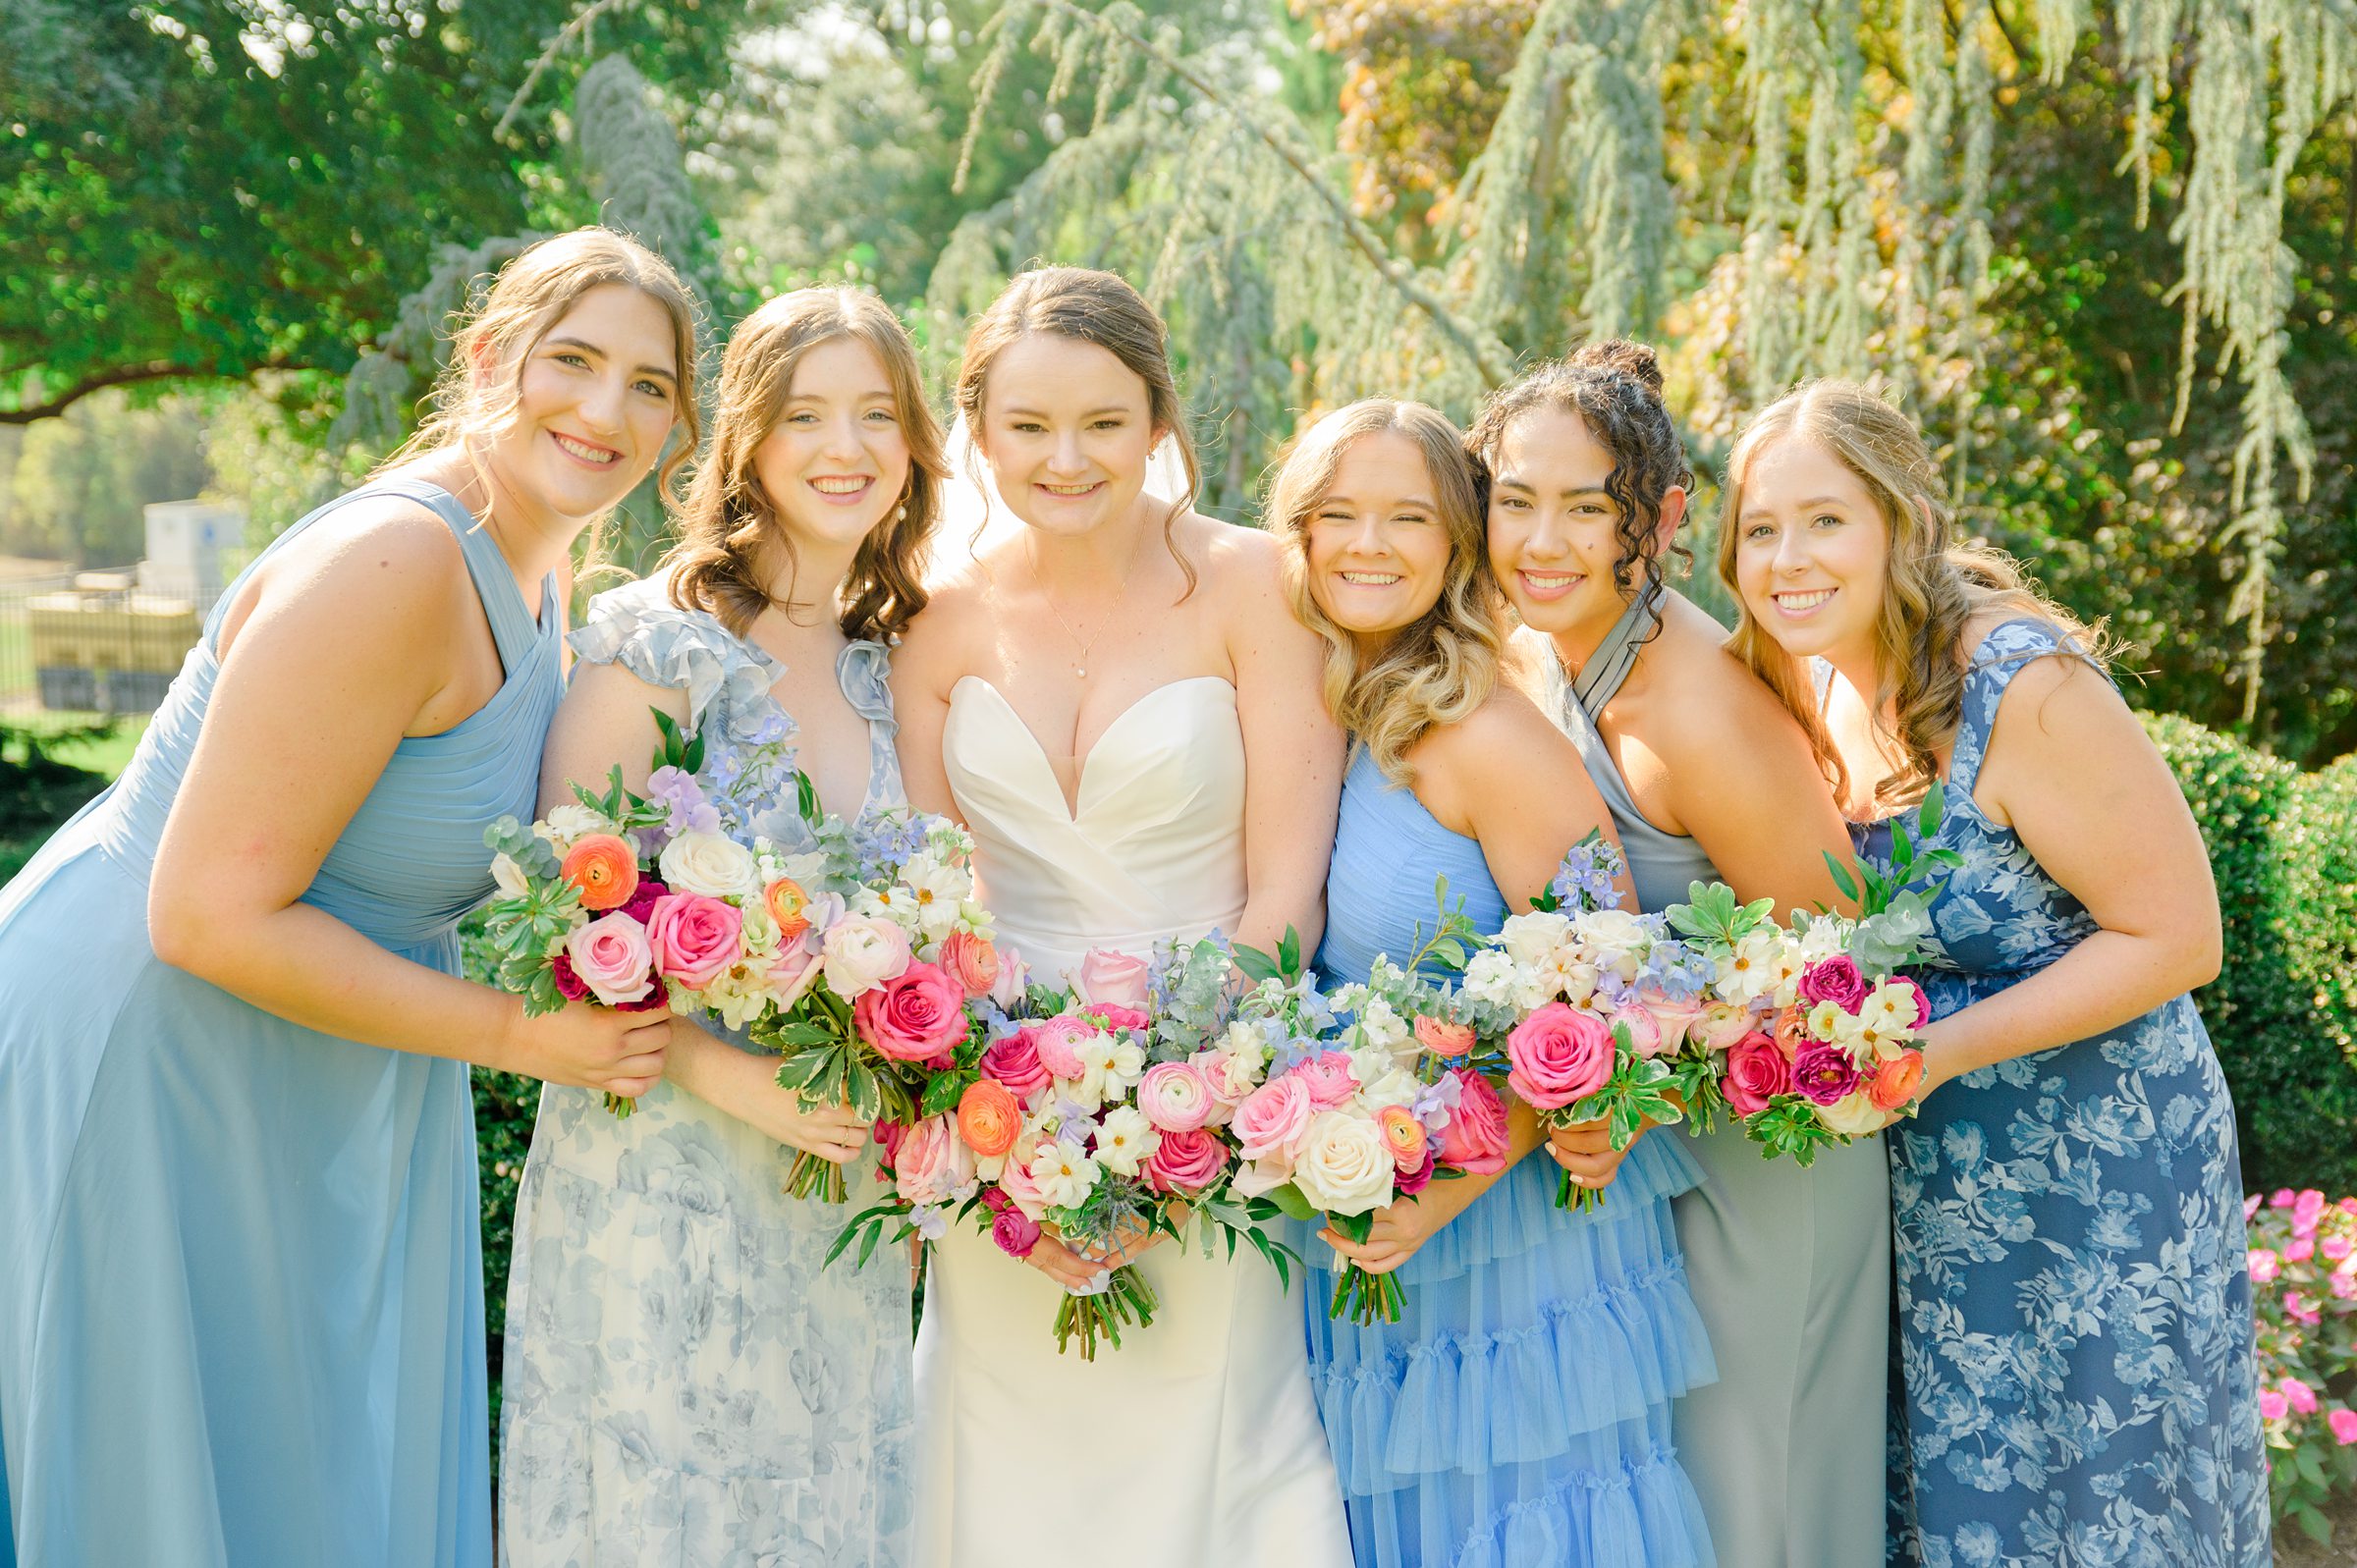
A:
[1197, 1444]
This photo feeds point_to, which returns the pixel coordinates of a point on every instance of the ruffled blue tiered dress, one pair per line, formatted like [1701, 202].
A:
[1517, 1416]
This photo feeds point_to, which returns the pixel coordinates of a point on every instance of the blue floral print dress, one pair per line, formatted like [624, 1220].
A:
[686, 1380]
[2077, 1383]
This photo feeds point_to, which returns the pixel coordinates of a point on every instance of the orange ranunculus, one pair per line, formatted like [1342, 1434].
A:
[605, 868]
[989, 1118]
[1443, 1037]
[1403, 1135]
[1791, 1032]
[1896, 1081]
[787, 900]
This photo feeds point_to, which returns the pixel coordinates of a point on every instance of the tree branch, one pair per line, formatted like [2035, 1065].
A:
[1486, 357]
[129, 375]
[548, 55]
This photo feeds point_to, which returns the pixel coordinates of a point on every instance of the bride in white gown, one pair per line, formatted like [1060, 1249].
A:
[1116, 701]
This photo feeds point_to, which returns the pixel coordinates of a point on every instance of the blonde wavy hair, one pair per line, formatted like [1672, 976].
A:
[1932, 583]
[728, 529]
[1440, 669]
[478, 394]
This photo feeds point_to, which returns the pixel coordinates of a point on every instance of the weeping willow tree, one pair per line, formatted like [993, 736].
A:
[1863, 242]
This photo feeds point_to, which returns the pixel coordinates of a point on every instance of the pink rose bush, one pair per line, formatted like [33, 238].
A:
[2303, 1267]
[851, 952]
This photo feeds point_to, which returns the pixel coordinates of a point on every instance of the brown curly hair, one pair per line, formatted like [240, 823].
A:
[727, 522]
[1614, 387]
[1932, 583]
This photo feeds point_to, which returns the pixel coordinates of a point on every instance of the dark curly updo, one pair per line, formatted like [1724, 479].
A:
[1614, 387]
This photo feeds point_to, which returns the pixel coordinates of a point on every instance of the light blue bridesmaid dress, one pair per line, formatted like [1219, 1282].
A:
[240, 1316]
[1519, 1414]
[1790, 1266]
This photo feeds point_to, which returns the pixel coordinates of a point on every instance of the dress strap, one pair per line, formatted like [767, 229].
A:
[1607, 669]
[512, 627]
[863, 670]
[1999, 658]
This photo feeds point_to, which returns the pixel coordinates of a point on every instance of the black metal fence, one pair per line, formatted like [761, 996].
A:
[78, 647]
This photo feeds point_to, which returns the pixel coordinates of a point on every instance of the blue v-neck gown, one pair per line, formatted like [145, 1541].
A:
[241, 1287]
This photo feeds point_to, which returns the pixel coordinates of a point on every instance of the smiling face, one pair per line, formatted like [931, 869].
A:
[1553, 531]
[1375, 546]
[595, 399]
[1812, 551]
[1066, 429]
[836, 461]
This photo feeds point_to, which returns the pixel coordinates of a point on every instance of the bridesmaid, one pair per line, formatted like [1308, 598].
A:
[2074, 1314]
[1791, 1266]
[241, 1318]
[686, 1380]
[1518, 1413]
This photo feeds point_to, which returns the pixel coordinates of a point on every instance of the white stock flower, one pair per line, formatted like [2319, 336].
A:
[1490, 978]
[711, 864]
[1346, 1167]
[1126, 1140]
[1382, 1028]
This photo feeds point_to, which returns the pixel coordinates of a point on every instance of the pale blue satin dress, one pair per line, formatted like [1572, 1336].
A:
[241, 1313]
[1791, 1266]
[1518, 1413]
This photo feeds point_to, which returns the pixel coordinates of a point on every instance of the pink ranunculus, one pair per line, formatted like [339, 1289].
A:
[1227, 1086]
[1756, 1073]
[2345, 1425]
[1444, 1038]
[610, 956]
[1186, 1161]
[1721, 1024]
[1824, 1074]
[914, 1016]
[695, 938]
[2273, 1406]
[934, 1166]
[1923, 1004]
[2299, 1396]
[1112, 977]
[973, 960]
[1016, 1231]
[1273, 1120]
[1013, 1061]
[1645, 1034]
[1328, 1079]
[1058, 1040]
[1837, 980]
[1559, 1057]
[1174, 1097]
[2265, 1266]
[1675, 1019]
[862, 951]
[1474, 1140]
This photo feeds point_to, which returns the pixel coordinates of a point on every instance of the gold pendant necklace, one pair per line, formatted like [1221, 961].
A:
[1081, 662]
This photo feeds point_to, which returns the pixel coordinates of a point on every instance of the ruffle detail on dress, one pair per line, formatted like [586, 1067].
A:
[1644, 1515]
[864, 671]
[686, 650]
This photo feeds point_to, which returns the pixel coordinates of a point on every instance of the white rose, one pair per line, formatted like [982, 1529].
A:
[1615, 929]
[1126, 1140]
[1346, 1168]
[508, 878]
[1855, 1114]
[1529, 937]
[711, 864]
[572, 821]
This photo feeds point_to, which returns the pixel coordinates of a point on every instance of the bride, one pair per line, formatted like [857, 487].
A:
[1116, 701]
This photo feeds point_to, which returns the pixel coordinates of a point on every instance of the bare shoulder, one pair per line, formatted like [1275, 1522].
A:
[1236, 561]
[1716, 701]
[955, 607]
[383, 565]
[1502, 735]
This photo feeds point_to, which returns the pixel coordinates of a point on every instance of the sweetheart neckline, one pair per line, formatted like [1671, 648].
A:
[1071, 805]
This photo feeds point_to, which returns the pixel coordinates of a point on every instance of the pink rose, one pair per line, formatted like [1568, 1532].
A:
[1186, 1161]
[1560, 1054]
[1407, 1183]
[2273, 1406]
[1014, 976]
[2345, 1425]
[1016, 1231]
[1328, 1078]
[934, 1166]
[2299, 1249]
[1014, 1061]
[1175, 1098]
[695, 938]
[2264, 1265]
[2299, 1396]
[610, 956]
[1756, 1073]
[1443, 1038]
[570, 985]
[1835, 980]
[1273, 1121]
[1112, 977]
[1671, 1021]
[1823, 1074]
[1109, 1017]
[1021, 1189]
[1474, 1140]
[973, 960]
[1058, 1040]
[914, 1016]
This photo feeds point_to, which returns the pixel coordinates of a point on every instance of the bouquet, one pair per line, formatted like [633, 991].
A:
[1603, 1003]
[1105, 1111]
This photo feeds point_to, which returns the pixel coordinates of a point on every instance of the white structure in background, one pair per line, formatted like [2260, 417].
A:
[112, 642]
[185, 543]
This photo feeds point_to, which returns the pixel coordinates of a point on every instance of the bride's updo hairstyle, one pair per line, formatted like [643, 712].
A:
[477, 396]
[1933, 582]
[730, 536]
[1087, 306]
[1444, 666]
[1614, 387]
